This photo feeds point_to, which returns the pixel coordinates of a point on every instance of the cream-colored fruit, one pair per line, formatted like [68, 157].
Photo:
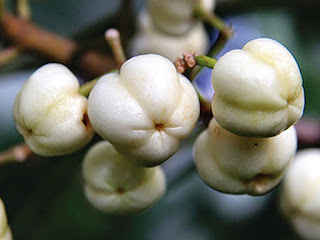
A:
[150, 40]
[300, 194]
[115, 185]
[258, 90]
[175, 17]
[50, 113]
[5, 231]
[145, 110]
[240, 165]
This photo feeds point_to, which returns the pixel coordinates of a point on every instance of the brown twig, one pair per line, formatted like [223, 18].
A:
[29, 37]
[18, 153]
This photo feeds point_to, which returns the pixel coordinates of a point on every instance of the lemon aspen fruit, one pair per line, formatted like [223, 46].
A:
[5, 231]
[258, 89]
[145, 110]
[116, 186]
[50, 113]
[241, 165]
[300, 194]
[150, 40]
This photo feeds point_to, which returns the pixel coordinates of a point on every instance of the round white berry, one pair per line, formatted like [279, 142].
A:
[145, 110]
[115, 185]
[258, 90]
[233, 164]
[50, 113]
[300, 194]
[150, 40]
[175, 17]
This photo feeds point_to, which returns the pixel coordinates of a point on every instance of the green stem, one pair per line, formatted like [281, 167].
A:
[216, 47]
[86, 88]
[112, 36]
[205, 61]
[213, 20]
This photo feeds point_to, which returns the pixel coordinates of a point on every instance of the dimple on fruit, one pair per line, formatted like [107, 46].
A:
[258, 90]
[145, 110]
[50, 113]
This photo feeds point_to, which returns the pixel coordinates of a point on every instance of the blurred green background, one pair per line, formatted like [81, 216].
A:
[44, 199]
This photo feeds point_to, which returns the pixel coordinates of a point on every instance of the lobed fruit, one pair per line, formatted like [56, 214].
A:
[258, 90]
[300, 194]
[233, 164]
[50, 113]
[145, 110]
[115, 185]
[150, 40]
[175, 17]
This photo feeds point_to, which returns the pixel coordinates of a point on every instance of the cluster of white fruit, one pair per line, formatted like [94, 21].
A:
[164, 30]
[144, 112]
[147, 108]
[258, 96]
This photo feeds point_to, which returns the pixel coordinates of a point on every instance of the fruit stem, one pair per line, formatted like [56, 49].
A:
[213, 20]
[205, 61]
[112, 36]
[86, 88]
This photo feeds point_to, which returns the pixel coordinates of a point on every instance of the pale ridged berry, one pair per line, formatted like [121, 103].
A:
[241, 165]
[50, 113]
[300, 194]
[258, 90]
[146, 110]
[116, 186]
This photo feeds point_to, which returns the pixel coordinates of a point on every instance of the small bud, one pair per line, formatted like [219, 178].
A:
[189, 59]
[180, 65]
